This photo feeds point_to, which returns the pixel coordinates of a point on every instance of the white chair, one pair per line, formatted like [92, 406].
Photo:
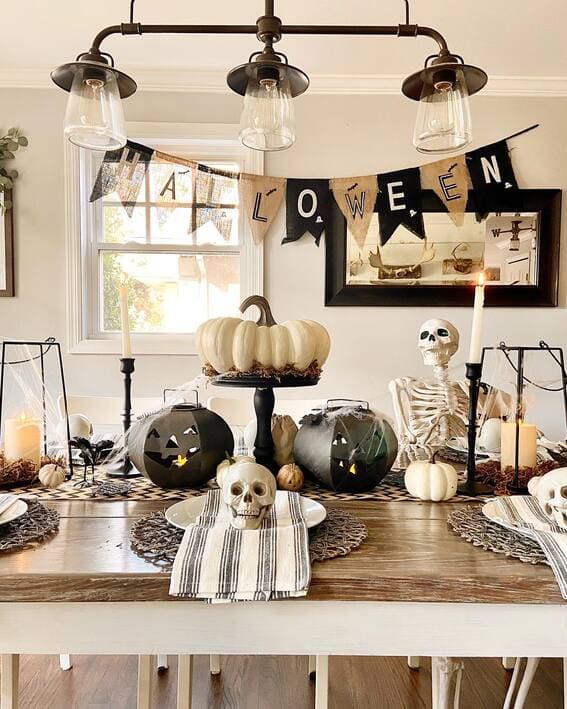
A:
[518, 690]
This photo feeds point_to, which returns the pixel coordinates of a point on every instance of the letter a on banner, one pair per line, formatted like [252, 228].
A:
[261, 197]
[493, 178]
[308, 208]
[449, 179]
[356, 197]
[399, 203]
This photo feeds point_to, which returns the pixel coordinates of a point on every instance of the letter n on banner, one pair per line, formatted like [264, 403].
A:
[399, 203]
[261, 198]
[493, 179]
[308, 208]
[356, 197]
[449, 179]
[123, 171]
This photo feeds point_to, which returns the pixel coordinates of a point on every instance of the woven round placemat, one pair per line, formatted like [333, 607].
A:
[474, 527]
[157, 541]
[37, 524]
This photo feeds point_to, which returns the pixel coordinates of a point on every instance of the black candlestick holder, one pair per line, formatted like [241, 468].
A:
[472, 487]
[123, 468]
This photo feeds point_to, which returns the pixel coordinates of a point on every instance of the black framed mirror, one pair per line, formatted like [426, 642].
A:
[516, 249]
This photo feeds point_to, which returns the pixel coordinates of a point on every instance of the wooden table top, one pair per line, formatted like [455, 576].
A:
[410, 555]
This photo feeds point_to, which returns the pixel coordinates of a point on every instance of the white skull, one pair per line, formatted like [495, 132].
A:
[249, 490]
[551, 492]
[438, 341]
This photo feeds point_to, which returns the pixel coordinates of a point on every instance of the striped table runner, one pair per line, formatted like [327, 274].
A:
[221, 564]
[523, 514]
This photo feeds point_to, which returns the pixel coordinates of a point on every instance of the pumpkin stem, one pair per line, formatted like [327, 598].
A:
[266, 317]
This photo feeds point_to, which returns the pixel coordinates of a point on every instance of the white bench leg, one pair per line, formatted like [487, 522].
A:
[145, 674]
[214, 664]
[65, 662]
[446, 676]
[414, 662]
[322, 682]
[162, 663]
[312, 667]
[508, 663]
[529, 673]
[184, 681]
[9, 680]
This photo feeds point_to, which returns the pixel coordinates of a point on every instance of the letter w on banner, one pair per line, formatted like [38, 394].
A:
[123, 171]
[308, 208]
[261, 198]
[356, 197]
[399, 203]
[449, 179]
[493, 179]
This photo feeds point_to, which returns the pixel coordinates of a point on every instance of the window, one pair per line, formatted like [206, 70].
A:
[182, 265]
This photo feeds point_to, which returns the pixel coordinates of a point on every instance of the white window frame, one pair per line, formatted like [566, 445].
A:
[201, 140]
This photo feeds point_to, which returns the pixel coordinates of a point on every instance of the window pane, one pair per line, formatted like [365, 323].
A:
[169, 293]
[119, 228]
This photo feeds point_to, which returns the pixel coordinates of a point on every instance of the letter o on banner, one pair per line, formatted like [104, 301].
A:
[302, 195]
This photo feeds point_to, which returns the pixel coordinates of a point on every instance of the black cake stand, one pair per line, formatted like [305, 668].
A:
[264, 401]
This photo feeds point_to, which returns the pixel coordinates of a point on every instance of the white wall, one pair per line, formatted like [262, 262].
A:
[336, 136]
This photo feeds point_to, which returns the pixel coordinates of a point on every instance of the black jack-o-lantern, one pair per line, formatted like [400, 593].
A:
[179, 446]
[347, 448]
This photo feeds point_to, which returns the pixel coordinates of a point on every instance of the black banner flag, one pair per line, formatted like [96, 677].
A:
[399, 203]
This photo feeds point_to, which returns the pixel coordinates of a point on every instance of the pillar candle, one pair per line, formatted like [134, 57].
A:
[22, 439]
[527, 443]
[126, 344]
[475, 352]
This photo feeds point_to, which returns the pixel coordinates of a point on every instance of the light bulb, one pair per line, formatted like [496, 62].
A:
[443, 122]
[94, 118]
[267, 119]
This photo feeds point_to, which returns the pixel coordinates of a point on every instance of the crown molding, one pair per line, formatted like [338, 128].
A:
[187, 81]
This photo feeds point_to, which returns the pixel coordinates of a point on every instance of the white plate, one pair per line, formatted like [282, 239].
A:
[16, 510]
[184, 513]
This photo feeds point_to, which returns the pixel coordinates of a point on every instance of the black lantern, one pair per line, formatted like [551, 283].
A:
[346, 447]
[179, 446]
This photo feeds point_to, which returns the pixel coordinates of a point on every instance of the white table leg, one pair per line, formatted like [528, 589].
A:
[414, 662]
[65, 662]
[322, 682]
[446, 674]
[312, 666]
[184, 681]
[162, 663]
[145, 674]
[508, 663]
[565, 683]
[9, 676]
[214, 664]
[529, 673]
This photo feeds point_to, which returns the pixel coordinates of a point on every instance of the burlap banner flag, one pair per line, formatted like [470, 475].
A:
[123, 171]
[356, 197]
[493, 179]
[172, 180]
[399, 203]
[449, 179]
[261, 198]
[308, 209]
[216, 198]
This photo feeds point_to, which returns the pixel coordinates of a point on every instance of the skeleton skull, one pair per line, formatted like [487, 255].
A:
[438, 341]
[249, 490]
[551, 492]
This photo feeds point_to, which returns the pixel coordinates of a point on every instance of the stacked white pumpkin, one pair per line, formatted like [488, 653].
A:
[243, 346]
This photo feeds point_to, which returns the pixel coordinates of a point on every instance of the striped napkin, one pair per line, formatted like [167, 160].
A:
[221, 564]
[524, 514]
[6, 501]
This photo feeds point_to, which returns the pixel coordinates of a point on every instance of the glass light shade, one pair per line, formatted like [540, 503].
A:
[267, 121]
[94, 118]
[443, 123]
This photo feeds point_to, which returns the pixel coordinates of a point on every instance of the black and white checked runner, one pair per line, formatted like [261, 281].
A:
[220, 564]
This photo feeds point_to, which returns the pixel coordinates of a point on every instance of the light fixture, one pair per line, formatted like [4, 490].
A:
[269, 84]
[514, 231]
[443, 123]
[94, 118]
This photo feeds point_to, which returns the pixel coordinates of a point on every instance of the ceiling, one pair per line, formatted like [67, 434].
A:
[519, 43]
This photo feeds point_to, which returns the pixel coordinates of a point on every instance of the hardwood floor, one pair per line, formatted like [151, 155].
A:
[109, 682]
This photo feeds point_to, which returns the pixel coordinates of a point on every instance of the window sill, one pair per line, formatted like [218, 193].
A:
[140, 346]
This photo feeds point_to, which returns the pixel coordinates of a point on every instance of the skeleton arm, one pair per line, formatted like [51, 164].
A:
[398, 387]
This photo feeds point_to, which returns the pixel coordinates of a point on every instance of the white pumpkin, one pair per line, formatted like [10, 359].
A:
[51, 475]
[225, 464]
[235, 344]
[430, 480]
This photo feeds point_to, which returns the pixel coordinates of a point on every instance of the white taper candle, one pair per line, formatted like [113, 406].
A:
[126, 343]
[475, 351]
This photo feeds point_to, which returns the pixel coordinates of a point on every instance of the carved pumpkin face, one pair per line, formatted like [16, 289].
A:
[175, 442]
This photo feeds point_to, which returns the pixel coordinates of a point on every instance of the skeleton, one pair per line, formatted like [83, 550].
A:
[551, 491]
[249, 490]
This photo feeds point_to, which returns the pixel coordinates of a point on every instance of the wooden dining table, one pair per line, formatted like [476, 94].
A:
[412, 588]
